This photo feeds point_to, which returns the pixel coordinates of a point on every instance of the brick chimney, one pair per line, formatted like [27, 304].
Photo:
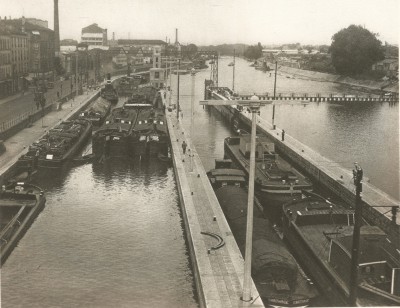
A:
[56, 29]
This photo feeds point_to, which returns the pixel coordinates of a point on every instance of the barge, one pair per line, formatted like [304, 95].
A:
[276, 181]
[321, 235]
[108, 92]
[277, 276]
[59, 145]
[20, 204]
[149, 134]
[111, 139]
[96, 112]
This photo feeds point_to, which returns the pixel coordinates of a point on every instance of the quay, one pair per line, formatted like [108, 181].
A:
[377, 205]
[218, 273]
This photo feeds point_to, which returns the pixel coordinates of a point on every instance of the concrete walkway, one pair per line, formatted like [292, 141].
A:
[218, 273]
[18, 144]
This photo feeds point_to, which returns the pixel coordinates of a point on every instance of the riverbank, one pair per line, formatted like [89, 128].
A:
[364, 85]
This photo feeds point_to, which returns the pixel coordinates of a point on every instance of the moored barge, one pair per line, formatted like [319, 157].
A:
[149, 134]
[108, 92]
[20, 203]
[277, 276]
[321, 235]
[59, 145]
[276, 181]
[96, 112]
[111, 139]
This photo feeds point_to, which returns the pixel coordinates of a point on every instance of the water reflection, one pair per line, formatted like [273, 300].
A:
[110, 236]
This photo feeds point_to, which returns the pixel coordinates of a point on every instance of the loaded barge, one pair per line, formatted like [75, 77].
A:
[138, 129]
[321, 235]
[59, 145]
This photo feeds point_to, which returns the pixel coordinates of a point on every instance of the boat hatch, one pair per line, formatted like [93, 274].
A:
[281, 286]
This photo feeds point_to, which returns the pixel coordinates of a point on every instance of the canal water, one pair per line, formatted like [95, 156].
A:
[111, 235]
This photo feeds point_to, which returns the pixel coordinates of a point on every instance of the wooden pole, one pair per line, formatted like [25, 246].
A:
[273, 106]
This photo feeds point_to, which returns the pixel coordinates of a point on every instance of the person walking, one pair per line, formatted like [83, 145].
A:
[184, 146]
[283, 135]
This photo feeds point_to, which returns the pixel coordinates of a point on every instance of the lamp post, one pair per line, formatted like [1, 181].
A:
[254, 104]
[234, 64]
[177, 93]
[76, 71]
[193, 74]
[273, 106]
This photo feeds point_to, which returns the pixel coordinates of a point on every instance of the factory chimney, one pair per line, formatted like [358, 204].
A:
[56, 29]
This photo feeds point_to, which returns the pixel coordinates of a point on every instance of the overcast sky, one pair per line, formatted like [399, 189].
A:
[205, 22]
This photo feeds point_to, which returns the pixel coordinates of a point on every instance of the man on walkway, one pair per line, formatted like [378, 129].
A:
[184, 145]
[283, 135]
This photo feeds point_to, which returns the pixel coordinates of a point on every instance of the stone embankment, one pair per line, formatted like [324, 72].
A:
[369, 85]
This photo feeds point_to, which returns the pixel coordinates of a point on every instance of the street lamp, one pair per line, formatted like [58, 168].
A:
[193, 74]
[254, 104]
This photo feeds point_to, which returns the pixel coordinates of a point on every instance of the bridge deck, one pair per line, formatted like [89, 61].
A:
[218, 274]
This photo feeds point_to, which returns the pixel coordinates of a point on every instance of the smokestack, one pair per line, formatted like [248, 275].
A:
[113, 36]
[56, 29]
[176, 36]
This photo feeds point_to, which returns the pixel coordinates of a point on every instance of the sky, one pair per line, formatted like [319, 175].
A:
[211, 22]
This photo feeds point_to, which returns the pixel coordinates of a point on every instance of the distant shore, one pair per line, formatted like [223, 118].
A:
[369, 85]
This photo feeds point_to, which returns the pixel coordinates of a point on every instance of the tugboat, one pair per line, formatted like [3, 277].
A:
[277, 276]
[20, 203]
[321, 235]
[59, 145]
[97, 111]
[276, 181]
[108, 92]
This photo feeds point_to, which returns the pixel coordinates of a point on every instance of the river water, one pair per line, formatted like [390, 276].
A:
[367, 133]
[111, 235]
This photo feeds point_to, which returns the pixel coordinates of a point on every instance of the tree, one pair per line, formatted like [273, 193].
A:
[253, 52]
[354, 50]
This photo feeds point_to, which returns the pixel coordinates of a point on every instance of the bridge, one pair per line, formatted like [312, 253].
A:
[310, 97]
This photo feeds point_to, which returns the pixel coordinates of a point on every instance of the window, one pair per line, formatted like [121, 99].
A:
[156, 75]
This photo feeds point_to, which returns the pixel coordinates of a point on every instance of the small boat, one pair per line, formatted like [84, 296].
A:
[84, 159]
[20, 203]
[321, 235]
[276, 181]
[278, 278]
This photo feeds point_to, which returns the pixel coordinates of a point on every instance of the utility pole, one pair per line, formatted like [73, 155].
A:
[193, 73]
[233, 79]
[273, 106]
[357, 176]
[177, 99]
[76, 72]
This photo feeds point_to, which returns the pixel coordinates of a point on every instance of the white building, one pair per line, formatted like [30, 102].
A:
[157, 74]
[93, 35]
